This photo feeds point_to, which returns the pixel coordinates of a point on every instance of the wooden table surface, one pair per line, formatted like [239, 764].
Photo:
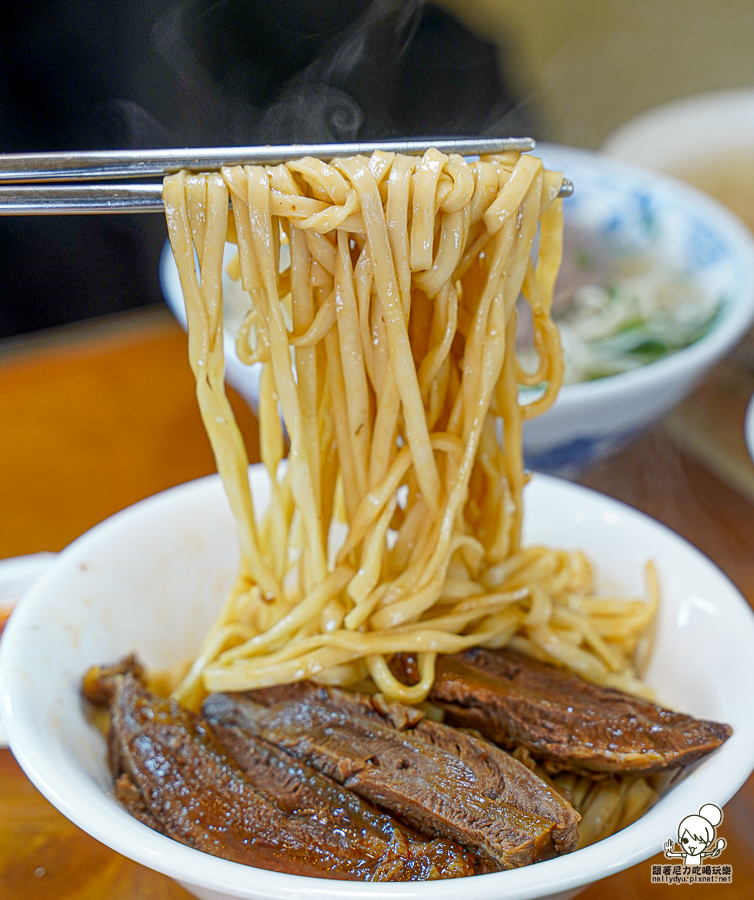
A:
[97, 417]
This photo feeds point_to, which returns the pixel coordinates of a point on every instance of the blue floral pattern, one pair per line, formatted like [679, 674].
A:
[703, 247]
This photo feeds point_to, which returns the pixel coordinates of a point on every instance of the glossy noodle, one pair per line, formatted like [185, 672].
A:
[388, 360]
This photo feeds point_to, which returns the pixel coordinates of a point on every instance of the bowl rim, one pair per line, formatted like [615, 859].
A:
[687, 362]
[191, 867]
[696, 109]
[749, 427]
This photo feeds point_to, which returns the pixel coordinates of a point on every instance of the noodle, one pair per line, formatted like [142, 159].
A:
[388, 350]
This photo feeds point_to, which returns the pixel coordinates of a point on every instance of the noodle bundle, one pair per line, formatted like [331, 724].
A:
[387, 346]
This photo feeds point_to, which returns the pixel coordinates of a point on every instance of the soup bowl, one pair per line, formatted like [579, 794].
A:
[680, 229]
[675, 137]
[151, 580]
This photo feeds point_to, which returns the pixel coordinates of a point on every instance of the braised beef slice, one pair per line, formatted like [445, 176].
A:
[300, 789]
[517, 786]
[128, 794]
[173, 775]
[441, 782]
[99, 683]
[564, 721]
[294, 785]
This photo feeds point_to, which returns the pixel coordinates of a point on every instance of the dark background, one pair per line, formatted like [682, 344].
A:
[98, 74]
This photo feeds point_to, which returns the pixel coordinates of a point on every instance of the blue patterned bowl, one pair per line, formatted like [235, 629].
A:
[656, 216]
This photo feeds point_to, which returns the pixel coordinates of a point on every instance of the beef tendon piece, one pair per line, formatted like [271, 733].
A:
[564, 721]
[172, 774]
[440, 781]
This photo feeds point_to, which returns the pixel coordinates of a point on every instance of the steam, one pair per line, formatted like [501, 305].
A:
[127, 124]
[248, 73]
[310, 113]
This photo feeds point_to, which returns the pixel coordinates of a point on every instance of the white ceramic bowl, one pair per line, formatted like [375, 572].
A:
[17, 574]
[749, 427]
[673, 137]
[651, 214]
[151, 579]
[679, 137]
[685, 230]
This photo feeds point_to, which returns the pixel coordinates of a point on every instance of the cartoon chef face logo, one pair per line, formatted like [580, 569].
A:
[696, 835]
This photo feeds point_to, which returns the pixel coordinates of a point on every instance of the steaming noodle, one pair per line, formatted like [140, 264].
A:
[388, 349]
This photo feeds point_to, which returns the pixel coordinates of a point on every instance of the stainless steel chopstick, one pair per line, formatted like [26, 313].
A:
[19, 168]
[71, 199]
[30, 186]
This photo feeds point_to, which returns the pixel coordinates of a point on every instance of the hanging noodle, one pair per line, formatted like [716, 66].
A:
[388, 348]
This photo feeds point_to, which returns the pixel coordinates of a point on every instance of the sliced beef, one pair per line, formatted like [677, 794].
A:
[173, 775]
[128, 794]
[516, 785]
[564, 721]
[299, 789]
[99, 683]
[296, 786]
[439, 780]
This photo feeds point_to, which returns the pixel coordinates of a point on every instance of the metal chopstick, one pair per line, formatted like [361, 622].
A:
[97, 165]
[29, 178]
[70, 199]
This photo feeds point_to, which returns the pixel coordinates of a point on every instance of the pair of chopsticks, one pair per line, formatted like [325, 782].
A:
[30, 182]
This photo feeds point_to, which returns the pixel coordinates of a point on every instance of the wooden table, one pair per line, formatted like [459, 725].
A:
[97, 417]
